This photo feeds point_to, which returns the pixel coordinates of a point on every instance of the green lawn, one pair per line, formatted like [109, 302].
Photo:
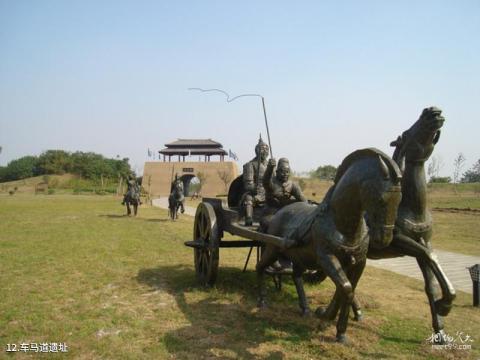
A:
[75, 270]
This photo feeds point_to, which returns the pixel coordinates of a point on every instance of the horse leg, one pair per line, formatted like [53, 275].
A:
[129, 212]
[354, 274]
[302, 299]
[269, 256]
[437, 320]
[331, 311]
[332, 267]
[357, 309]
[135, 209]
[408, 246]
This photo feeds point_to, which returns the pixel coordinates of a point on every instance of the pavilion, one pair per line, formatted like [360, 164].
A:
[192, 147]
[180, 158]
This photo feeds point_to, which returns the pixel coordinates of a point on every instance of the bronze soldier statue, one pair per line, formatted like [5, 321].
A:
[279, 190]
[133, 190]
[253, 172]
[177, 193]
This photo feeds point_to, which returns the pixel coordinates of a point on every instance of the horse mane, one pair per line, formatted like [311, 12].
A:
[363, 153]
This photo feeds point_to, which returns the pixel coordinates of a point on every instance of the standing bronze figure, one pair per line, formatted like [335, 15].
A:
[132, 196]
[333, 238]
[413, 227]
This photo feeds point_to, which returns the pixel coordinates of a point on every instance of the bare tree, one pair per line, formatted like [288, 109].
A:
[226, 178]
[202, 178]
[436, 164]
[458, 164]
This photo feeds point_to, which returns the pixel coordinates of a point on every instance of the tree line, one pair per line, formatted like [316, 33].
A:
[470, 176]
[327, 172]
[87, 165]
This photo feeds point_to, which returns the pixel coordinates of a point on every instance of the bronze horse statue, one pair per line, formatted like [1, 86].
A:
[413, 227]
[175, 200]
[332, 237]
[132, 198]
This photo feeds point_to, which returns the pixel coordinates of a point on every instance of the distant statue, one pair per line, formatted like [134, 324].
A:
[253, 172]
[177, 198]
[279, 189]
[132, 196]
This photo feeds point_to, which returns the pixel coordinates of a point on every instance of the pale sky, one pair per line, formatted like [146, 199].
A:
[112, 76]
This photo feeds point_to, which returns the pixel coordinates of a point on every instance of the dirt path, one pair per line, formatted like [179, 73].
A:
[163, 203]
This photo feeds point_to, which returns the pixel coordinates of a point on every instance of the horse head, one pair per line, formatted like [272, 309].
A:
[382, 197]
[369, 181]
[417, 143]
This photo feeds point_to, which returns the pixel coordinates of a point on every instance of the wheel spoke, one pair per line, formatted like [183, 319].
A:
[205, 258]
[201, 263]
[204, 265]
[206, 234]
[204, 231]
[201, 220]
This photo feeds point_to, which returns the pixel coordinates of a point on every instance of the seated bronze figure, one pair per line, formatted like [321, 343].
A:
[253, 172]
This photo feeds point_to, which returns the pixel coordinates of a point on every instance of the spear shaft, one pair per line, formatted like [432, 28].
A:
[266, 124]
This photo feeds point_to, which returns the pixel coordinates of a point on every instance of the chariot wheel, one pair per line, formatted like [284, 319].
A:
[206, 254]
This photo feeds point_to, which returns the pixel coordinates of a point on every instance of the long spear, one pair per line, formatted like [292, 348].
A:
[266, 124]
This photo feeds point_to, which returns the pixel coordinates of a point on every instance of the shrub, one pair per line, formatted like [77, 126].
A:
[326, 172]
[441, 179]
[51, 191]
[53, 183]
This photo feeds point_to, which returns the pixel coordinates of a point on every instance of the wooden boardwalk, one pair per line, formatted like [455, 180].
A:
[455, 265]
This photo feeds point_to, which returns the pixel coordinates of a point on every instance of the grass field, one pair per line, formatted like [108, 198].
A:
[75, 270]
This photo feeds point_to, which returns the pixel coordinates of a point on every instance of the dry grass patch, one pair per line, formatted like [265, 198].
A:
[75, 270]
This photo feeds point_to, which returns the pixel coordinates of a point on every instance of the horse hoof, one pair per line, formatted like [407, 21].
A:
[358, 317]
[443, 307]
[341, 338]
[321, 312]
[440, 338]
